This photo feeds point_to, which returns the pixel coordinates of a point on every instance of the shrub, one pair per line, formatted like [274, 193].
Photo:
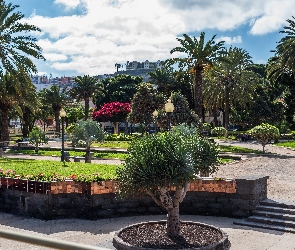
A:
[219, 131]
[264, 133]
[37, 137]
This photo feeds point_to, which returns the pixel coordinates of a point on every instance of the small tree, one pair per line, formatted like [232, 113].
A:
[161, 165]
[112, 112]
[219, 131]
[37, 137]
[88, 131]
[264, 133]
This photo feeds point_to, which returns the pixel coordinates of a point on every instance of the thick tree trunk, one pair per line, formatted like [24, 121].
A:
[57, 122]
[88, 155]
[173, 222]
[86, 114]
[116, 128]
[215, 120]
[198, 91]
[5, 122]
[226, 111]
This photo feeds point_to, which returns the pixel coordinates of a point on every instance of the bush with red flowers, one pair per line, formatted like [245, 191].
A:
[112, 112]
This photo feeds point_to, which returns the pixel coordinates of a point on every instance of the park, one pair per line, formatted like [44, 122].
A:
[209, 137]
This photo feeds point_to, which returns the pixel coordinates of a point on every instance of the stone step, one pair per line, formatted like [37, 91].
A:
[245, 222]
[272, 221]
[284, 216]
[276, 209]
[272, 203]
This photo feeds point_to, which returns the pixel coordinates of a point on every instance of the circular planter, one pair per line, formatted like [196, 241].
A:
[136, 231]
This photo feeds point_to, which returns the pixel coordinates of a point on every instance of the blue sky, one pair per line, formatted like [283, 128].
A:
[90, 36]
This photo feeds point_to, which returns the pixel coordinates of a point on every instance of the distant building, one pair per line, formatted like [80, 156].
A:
[142, 69]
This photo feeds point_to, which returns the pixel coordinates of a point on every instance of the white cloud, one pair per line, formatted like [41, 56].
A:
[230, 40]
[70, 4]
[112, 31]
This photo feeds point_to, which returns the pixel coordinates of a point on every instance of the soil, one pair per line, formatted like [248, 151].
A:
[153, 235]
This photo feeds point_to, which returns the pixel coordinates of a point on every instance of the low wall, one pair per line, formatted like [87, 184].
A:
[68, 199]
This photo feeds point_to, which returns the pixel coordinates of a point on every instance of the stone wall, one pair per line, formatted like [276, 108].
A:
[233, 198]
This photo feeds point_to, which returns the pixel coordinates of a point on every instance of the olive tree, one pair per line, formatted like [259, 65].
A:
[162, 165]
[264, 133]
[88, 131]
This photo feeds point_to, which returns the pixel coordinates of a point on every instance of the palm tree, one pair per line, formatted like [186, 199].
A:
[84, 89]
[198, 56]
[230, 81]
[16, 45]
[57, 98]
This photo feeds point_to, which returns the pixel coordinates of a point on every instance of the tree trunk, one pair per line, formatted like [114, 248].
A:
[25, 125]
[5, 122]
[86, 108]
[198, 91]
[226, 111]
[173, 222]
[215, 120]
[116, 128]
[88, 155]
[57, 122]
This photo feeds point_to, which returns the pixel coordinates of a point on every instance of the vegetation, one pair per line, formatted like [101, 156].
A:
[162, 162]
[18, 47]
[56, 170]
[218, 131]
[199, 55]
[264, 133]
[85, 88]
[37, 137]
[88, 131]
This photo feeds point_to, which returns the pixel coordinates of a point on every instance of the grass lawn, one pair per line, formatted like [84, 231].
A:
[24, 167]
[235, 149]
[100, 155]
[290, 144]
[112, 144]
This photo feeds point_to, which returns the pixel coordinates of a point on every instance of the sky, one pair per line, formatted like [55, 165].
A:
[88, 37]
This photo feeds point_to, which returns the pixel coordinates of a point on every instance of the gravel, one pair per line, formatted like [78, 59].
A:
[278, 163]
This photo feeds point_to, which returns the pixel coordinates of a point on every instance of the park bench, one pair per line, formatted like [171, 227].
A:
[24, 145]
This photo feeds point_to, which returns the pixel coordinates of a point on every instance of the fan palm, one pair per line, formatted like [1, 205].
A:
[198, 56]
[16, 46]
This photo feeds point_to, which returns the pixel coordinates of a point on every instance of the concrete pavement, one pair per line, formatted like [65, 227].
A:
[100, 232]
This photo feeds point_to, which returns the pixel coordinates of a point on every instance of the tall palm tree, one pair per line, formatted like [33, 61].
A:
[230, 81]
[57, 98]
[198, 56]
[84, 89]
[17, 46]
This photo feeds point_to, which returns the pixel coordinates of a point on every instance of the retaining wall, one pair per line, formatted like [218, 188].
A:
[68, 199]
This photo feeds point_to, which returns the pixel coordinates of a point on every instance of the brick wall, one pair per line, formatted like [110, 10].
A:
[234, 198]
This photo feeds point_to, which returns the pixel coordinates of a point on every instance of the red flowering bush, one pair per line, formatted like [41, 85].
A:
[112, 112]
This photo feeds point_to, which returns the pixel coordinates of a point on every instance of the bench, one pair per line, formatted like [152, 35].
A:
[4, 144]
[75, 158]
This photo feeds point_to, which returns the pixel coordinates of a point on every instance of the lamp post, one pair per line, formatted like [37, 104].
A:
[169, 108]
[155, 115]
[62, 114]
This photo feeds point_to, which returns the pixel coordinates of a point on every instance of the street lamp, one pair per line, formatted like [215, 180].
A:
[62, 114]
[169, 108]
[155, 115]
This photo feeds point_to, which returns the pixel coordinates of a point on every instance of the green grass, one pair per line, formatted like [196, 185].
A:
[112, 144]
[290, 144]
[100, 155]
[24, 167]
[235, 149]
[223, 160]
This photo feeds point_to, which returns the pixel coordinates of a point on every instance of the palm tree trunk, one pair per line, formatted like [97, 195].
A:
[57, 123]
[198, 91]
[226, 111]
[86, 111]
[5, 122]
